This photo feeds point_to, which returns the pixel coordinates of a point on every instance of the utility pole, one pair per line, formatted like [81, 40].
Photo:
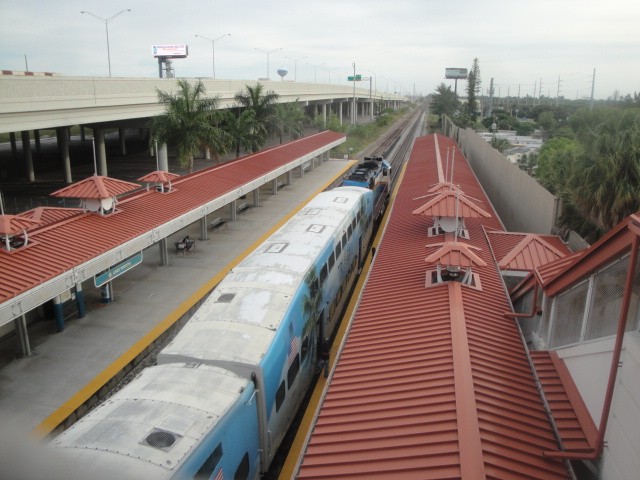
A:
[354, 111]
[540, 93]
[558, 92]
[593, 86]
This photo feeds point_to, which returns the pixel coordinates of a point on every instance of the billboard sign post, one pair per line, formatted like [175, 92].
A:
[455, 74]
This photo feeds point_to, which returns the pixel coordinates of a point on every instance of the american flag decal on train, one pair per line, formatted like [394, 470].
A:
[293, 349]
[220, 475]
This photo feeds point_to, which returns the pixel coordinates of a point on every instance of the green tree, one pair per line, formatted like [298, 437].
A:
[263, 106]
[240, 125]
[547, 121]
[444, 101]
[190, 122]
[289, 119]
[473, 89]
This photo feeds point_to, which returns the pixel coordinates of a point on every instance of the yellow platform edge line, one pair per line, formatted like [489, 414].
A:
[291, 462]
[86, 392]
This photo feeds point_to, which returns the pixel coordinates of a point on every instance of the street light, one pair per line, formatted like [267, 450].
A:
[295, 67]
[268, 52]
[315, 72]
[213, 49]
[106, 27]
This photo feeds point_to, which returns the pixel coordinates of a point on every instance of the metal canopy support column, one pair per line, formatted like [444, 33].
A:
[275, 186]
[80, 301]
[57, 311]
[302, 170]
[256, 197]
[290, 177]
[122, 139]
[26, 155]
[62, 135]
[101, 152]
[164, 254]
[203, 228]
[20, 324]
[233, 210]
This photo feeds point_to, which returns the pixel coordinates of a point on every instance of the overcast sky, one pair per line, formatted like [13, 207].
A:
[403, 44]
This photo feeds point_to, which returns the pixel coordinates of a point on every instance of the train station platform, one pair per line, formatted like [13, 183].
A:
[68, 368]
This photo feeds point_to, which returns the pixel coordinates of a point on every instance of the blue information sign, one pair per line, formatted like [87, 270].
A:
[117, 270]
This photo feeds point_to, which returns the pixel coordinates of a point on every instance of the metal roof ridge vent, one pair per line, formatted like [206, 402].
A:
[453, 261]
[97, 193]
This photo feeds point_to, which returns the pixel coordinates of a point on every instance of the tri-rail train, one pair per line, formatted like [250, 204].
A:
[225, 390]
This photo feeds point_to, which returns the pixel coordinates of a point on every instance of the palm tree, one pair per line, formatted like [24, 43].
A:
[190, 122]
[241, 125]
[289, 118]
[263, 106]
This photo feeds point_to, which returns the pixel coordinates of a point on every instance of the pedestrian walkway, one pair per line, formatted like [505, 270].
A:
[67, 368]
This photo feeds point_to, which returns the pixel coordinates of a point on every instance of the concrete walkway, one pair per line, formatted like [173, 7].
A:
[38, 390]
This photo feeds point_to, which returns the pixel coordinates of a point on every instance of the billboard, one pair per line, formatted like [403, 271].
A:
[170, 51]
[457, 73]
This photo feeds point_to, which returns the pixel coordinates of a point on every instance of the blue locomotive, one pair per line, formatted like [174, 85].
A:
[226, 389]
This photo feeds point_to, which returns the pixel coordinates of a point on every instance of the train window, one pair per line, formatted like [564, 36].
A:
[338, 250]
[323, 274]
[353, 225]
[243, 469]
[304, 349]
[280, 396]
[349, 231]
[293, 370]
[344, 240]
[314, 288]
[210, 464]
[332, 261]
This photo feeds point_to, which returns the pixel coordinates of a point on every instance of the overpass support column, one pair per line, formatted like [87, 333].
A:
[36, 137]
[207, 153]
[371, 109]
[14, 147]
[82, 134]
[62, 135]
[26, 155]
[122, 138]
[163, 158]
[324, 115]
[101, 152]
[340, 112]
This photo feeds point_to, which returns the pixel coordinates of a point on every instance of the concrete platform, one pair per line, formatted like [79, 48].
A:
[38, 392]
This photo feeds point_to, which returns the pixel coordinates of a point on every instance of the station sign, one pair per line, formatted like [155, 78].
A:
[457, 73]
[170, 51]
[117, 270]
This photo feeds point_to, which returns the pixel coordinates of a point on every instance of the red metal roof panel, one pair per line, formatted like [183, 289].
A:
[442, 357]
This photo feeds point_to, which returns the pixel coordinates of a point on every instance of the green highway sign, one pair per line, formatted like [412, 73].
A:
[357, 78]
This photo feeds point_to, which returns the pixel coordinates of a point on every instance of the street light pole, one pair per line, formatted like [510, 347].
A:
[213, 49]
[295, 67]
[106, 28]
[268, 52]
